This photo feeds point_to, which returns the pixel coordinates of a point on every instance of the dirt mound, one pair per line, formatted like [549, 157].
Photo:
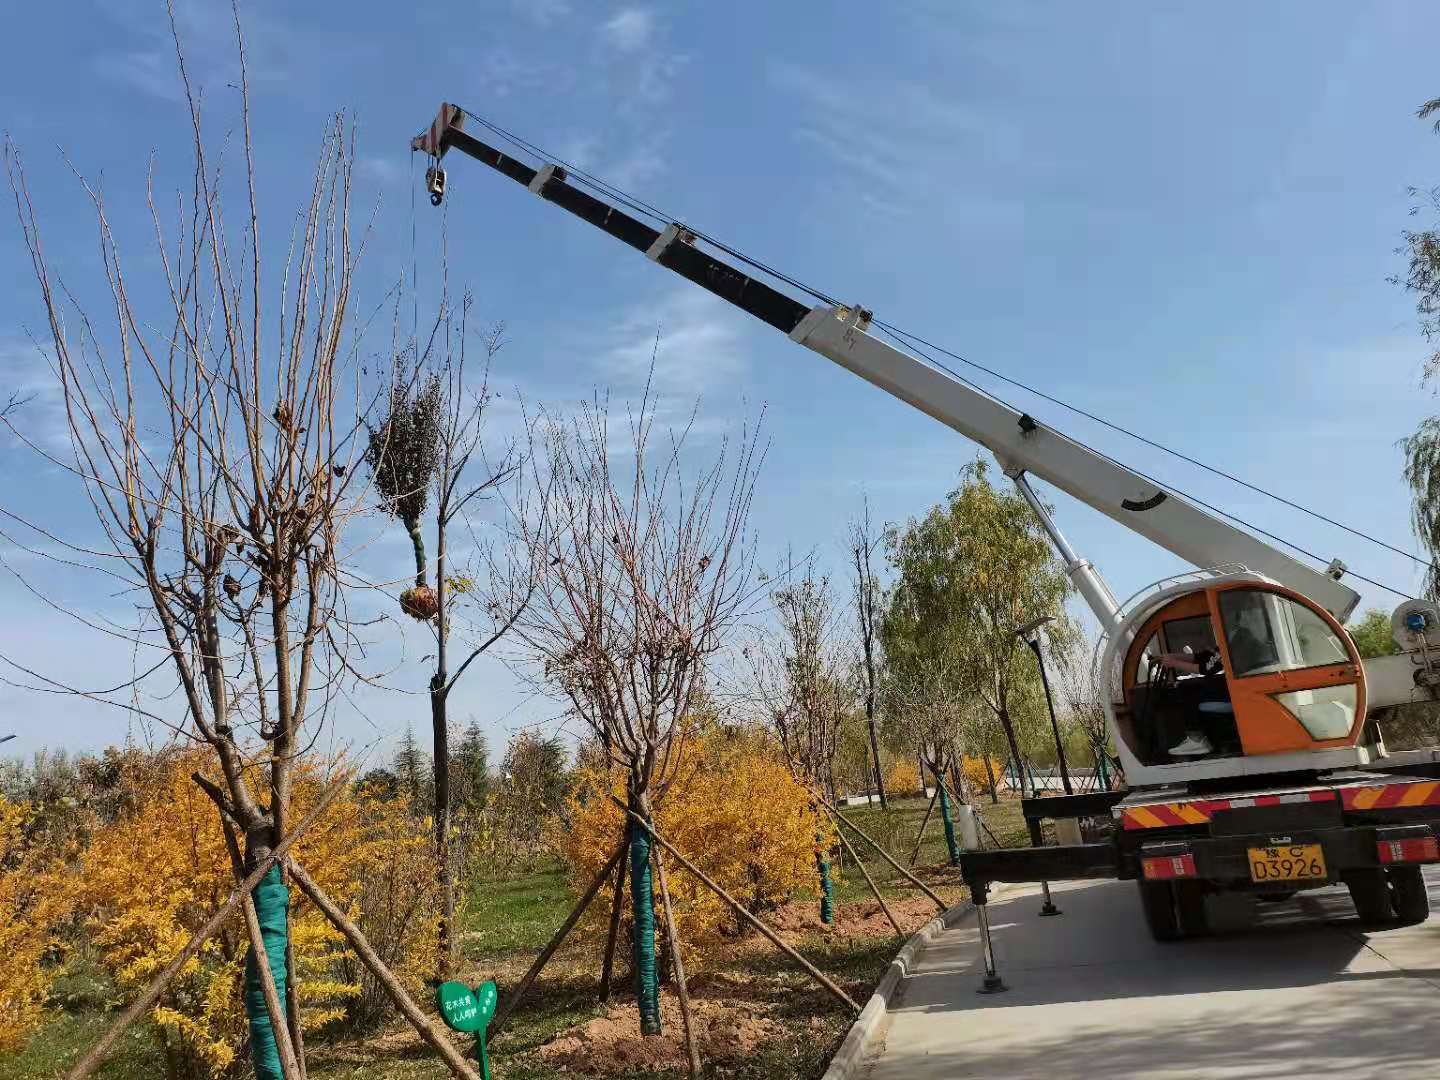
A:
[861, 919]
[726, 1031]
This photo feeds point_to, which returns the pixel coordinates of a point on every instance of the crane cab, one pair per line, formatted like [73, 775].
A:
[1233, 675]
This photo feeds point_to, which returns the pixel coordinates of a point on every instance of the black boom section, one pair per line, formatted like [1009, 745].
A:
[1091, 804]
[1039, 864]
[749, 294]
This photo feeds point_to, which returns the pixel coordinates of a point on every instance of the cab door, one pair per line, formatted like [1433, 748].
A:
[1293, 673]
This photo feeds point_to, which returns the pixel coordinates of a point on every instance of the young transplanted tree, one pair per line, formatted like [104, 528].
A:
[200, 401]
[644, 569]
[802, 677]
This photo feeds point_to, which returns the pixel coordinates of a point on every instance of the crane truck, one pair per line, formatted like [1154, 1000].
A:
[1245, 721]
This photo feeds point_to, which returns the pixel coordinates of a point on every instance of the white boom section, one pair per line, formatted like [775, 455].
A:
[1022, 445]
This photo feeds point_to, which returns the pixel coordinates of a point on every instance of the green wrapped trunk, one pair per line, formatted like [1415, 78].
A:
[642, 903]
[950, 843]
[827, 888]
[272, 903]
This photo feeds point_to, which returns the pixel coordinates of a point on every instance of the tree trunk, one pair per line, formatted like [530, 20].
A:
[642, 905]
[1009, 729]
[417, 541]
[990, 778]
[444, 871]
[870, 722]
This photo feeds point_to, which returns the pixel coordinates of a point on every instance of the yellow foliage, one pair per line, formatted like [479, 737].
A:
[734, 810]
[976, 778]
[902, 778]
[30, 904]
[153, 876]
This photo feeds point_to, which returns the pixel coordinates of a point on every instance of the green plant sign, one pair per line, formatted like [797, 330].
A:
[470, 1011]
[464, 1009]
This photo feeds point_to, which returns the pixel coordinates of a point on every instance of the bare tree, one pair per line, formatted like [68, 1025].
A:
[202, 430]
[801, 673]
[643, 569]
[431, 442]
[869, 609]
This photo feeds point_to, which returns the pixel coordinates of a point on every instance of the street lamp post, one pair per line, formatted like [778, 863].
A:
[1027, 634]
[6, 738]
[1031, 637]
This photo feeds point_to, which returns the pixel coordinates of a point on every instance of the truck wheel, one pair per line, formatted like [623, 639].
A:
[1157, 899]
[1190, 909]
[1371, 895]
[1408, 895]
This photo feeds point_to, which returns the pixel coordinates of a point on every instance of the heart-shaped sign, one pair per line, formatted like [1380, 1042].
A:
[464, 1009]
[487, 996]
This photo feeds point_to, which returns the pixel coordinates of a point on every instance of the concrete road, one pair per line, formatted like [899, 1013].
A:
[1303, 992]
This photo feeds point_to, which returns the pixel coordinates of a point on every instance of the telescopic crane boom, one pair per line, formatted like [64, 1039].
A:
[842, 334]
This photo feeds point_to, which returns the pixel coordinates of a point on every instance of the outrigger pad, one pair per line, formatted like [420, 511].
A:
[433, 141]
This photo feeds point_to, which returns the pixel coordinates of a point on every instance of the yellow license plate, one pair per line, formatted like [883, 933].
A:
[1290, 862]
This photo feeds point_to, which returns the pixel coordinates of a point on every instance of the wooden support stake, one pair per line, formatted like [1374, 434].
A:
[617, 903]
[692, 1047]
[744, 913]
[842, 819]
[507, 1006]
[361, 944]
[874, 889]
[289, 1066]
[292, 1002]
[91, 1061]
[920, 836]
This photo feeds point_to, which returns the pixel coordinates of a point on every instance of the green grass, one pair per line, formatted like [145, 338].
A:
[504, 917]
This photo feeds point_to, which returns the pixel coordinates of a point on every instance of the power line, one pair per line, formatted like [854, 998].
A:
[1150, 479]
[917, 344]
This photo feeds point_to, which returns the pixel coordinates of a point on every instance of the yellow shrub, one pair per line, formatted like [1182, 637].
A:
[31, 902]
[153, 876]
[902, 778]
[734, 810]
[976, 778]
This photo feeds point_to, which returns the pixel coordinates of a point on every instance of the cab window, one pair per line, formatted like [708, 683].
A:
[1266, 633]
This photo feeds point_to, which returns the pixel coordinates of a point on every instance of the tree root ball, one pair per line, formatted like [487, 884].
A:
[420, 602]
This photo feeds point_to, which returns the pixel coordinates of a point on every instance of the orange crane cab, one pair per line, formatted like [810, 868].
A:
[1236, 667]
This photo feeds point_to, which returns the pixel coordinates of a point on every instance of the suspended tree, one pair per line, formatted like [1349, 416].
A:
[643, 571]
[429, 448]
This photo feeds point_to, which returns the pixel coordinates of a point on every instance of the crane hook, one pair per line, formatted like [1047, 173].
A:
[435, 183]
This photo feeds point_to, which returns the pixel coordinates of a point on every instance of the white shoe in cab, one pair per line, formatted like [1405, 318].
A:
[1193, 746]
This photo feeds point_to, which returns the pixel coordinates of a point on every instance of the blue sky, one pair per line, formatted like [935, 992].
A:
[1181, 217]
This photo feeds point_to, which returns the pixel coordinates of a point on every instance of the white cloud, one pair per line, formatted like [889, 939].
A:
[688, 345]
[39, 409]
[542, 12]
[630, 29]
[901, 146]
[385, 171]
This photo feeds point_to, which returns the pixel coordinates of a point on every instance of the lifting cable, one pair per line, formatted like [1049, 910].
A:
[919, 345]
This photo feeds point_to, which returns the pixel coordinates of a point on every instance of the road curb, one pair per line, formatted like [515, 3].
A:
[861, 1037]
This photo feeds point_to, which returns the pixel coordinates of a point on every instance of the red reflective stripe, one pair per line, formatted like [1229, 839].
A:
[1322, 796]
